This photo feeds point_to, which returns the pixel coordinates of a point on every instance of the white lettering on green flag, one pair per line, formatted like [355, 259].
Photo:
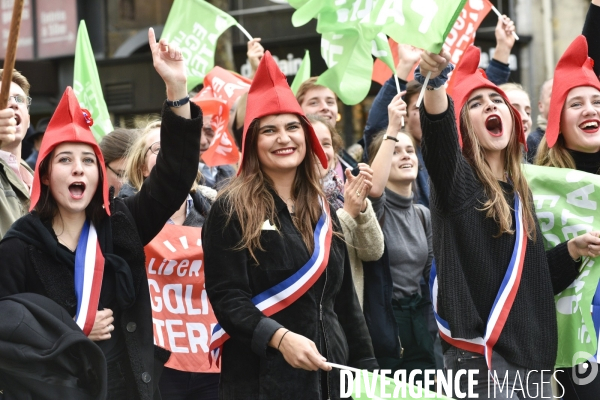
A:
[566, 203]
[303, 73]
[195, 26]
[86, 84]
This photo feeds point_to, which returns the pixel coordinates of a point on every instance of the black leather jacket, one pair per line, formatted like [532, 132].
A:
[328, 313]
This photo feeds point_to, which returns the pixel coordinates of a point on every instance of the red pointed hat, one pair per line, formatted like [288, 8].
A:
[69, 123]
[270, 94]
[574, 69]
[468, 77]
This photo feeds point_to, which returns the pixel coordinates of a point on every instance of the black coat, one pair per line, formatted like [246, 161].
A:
[28, 267]
[250, 369]
[44, 354]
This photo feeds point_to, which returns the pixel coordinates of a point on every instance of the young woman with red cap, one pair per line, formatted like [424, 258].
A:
[572, 140]
[493, 291]
[85, 250]
[277, 269]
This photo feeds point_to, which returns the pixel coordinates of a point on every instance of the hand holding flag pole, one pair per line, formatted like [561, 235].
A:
[11, 55]
[398, 89]
[494, 9]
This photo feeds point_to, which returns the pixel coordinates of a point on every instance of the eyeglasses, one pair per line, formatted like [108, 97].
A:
[119, 174]
[154, 148]
[21, 99]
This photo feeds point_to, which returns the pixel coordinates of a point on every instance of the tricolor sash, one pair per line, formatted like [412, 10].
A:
[285, 293]
[502, 304]
[89, 269]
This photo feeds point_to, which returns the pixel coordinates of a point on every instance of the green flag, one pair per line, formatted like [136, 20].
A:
[195, 26]
[421, 23]
[86, 84]
[566, 203]
[350, 65]
[303, 73]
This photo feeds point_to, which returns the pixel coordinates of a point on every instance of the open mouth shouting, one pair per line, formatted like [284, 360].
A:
[494, 125]
[77, 189]
[285, 151]
[590, 126]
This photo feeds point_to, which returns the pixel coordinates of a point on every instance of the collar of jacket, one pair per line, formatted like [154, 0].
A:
[14, 180]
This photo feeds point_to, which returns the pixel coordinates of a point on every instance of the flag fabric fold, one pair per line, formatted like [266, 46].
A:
[87, 87]
[303, 73]
[195, 26]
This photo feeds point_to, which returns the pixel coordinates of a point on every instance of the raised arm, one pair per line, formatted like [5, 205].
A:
[382, 163]
[591, 31]
[435, 101]
[378, 117]
[166, 188]
[255, 53]
[498, 71]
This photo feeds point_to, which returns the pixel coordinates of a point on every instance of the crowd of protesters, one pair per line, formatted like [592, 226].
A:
[400, 258]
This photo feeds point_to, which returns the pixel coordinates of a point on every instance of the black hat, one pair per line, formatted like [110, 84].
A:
[40, 129]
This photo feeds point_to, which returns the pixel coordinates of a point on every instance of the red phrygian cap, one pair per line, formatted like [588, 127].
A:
[468, 77]
[270, 94]
[68, 124]
[574, 69]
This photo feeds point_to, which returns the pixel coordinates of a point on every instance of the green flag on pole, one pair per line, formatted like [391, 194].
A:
[86, 84]
[195, 26]
[421, 23]
[566, 203]
[303, 73]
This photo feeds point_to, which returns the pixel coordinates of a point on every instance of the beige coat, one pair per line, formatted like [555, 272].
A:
[365, 243]
[14, 196]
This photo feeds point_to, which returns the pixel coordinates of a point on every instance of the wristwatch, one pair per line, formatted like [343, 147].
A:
[178, 103]
[386, 136]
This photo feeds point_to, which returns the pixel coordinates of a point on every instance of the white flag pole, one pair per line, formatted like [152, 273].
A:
[344, 367]
[398, 89]
[244, 31]
[420, 99]
[494, 9]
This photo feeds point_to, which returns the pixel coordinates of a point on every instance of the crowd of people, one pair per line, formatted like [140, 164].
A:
[425, 253]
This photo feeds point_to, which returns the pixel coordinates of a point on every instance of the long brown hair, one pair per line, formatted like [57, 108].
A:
[558, 156]
[250, 197]
[496, 206]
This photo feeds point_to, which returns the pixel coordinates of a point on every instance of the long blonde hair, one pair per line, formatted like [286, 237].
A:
[558, 156]
[136, 158]
[250, 199]
[496, 206]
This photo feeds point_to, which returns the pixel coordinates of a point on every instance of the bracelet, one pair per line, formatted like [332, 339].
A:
[386, 136]
[281, 340]
[178, 103]
[431, 88]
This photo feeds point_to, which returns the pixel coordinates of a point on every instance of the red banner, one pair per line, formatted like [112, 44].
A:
[225, 85]
[182, 315]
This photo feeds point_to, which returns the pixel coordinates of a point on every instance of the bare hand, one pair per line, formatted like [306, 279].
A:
[396, 113]
[504, 33]
[434, 63]
[408, 56]
[255, 53]
[357, 189]
[168, 62]
[102, 325]
[301, 352]
[586, 245]
[7, 125]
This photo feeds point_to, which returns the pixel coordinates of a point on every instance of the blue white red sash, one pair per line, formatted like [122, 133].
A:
[285, 293]
[89, 270]
[502, 304]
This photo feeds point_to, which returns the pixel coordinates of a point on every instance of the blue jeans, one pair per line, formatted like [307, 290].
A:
[507, 380]
[181, 385]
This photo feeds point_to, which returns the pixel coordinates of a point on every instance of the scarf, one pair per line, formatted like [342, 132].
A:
[334, 189]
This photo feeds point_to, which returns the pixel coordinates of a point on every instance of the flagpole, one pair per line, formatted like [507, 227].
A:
[420, 99]
[344, 367]
[244, 31]
[11, 54]
[494, 9]
[398, 89]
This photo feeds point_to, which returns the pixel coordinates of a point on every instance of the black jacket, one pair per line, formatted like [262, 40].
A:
[250, 369]
[27, 266]
[44, 354]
